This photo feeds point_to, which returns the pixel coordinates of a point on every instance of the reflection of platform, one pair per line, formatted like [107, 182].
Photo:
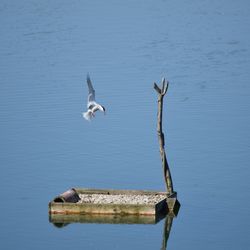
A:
[64, 219]
[67, 207]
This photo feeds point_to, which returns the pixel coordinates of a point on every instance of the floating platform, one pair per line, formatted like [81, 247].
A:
[112, 206]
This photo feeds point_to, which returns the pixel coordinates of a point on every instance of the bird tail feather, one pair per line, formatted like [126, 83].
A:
[87, 115]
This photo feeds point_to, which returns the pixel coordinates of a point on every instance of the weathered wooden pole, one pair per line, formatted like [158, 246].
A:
[166, 171]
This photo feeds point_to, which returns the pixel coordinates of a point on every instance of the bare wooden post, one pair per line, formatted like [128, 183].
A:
[166, 171]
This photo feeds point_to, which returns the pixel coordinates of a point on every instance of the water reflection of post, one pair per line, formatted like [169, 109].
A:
[166, 231]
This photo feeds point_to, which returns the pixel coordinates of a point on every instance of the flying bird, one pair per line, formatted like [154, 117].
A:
[92, 105]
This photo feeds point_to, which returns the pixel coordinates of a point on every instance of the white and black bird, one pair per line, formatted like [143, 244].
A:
[92, 105]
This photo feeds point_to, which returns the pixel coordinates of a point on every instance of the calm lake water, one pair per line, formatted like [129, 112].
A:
[201, 47]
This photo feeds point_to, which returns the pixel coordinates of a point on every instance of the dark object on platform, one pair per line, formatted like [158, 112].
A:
[70, 196]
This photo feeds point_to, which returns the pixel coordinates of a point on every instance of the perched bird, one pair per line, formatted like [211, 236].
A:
[92, 105]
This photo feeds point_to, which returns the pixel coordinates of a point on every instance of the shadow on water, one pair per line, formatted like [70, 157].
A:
[62, 220]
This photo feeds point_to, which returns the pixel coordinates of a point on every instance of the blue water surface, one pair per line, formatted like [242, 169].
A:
[201, 47]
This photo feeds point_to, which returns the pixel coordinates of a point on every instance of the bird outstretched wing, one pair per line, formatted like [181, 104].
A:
[91, 96]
